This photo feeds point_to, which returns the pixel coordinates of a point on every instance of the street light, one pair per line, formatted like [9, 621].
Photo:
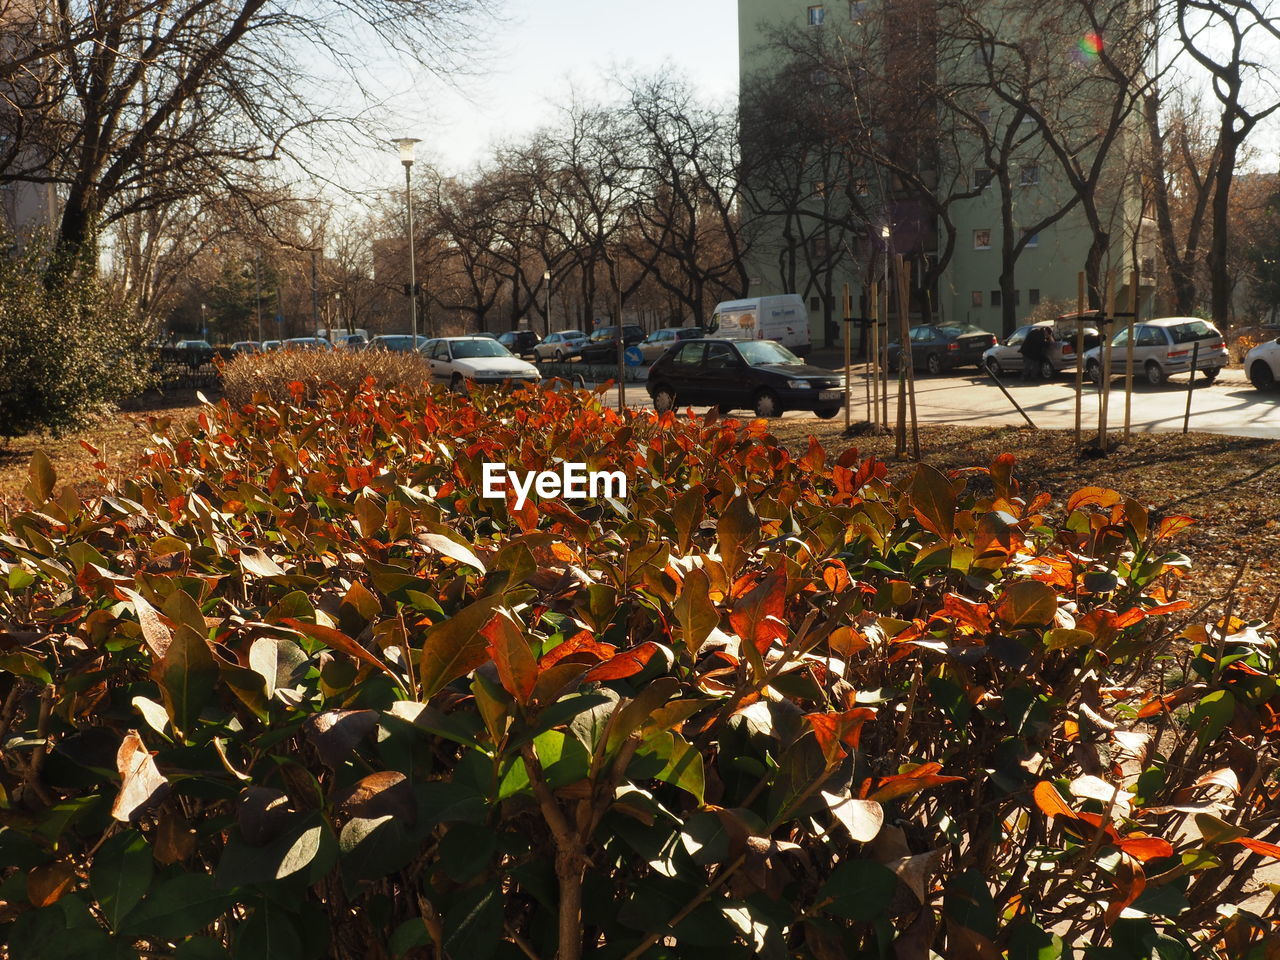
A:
[204, 323]
[406, 157]
[546, 279]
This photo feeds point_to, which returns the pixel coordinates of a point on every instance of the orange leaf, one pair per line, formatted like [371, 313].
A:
[1097, 496]
[1259, 846]
[581, 646]
[1050, 801]
[910, 781]
[512, 655]
[1129, 883]
[625, 664]
[1146, 848]
[834, 731]
[338, 641]
[758, 617]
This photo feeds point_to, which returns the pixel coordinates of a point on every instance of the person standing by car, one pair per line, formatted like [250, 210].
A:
[1035, 351]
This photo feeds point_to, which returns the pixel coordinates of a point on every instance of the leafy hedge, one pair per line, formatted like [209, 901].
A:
[68, 352]
[296, 690]
[274, 374]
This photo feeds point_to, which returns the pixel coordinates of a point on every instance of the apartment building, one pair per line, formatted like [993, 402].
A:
[949, 164]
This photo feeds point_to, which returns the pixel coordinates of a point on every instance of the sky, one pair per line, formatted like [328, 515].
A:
[539, 51]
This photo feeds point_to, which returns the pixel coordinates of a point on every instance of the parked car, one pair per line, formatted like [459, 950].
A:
[938, 347]
[457, 360]
[269, 345]
[246, 346]
[194, 345]
[602, 345]
[1262, 364]
[523, 343]
[1006, 355]
[397, 343]
[1161, 348]
[657, 343]
[560, 345]
[759, 375]
[307, 343]
[350, 341]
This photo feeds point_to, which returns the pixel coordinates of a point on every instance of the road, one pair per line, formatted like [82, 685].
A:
[966, 397]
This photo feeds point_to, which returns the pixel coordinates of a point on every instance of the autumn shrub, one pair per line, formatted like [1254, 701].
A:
[68, 352]
[273, 373]
[297, 689]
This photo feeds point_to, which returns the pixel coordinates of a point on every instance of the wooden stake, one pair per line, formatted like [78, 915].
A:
[873, 351]
[904, 301]
[1079, 353]
[904, 364]
[1133, 319]
[884, 358]
[1106, 369]
[848, 356]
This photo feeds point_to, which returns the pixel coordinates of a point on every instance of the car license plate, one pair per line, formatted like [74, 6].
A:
[830, 395]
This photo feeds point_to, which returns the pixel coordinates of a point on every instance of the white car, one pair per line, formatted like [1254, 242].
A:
[560, 345]
[1163, 347]
[1262, 364]
[460, 360]
[1006, 355]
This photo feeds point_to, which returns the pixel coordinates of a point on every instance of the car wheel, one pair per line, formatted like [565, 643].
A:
[993, 366]
[1155, 376]
[1262, 376]
[664, 399]
[559, 356]
[1047, 372]
[1092, 371]
[826, 413]
[458, 384]
[767, 404]
[933, 364]
[1212, 373]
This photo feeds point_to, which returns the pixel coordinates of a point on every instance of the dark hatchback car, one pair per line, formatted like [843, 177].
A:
[759, 375]
[602, 345]
[520, 342]
[938, 347]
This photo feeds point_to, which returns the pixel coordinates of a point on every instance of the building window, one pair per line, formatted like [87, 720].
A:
[981, 178]
[1033, 296]
[1017, 297]
[995, 298]
[984, 115]
[975, 298]
[816, 15]
[982, 239]
[1030, 175]
[858, 10]
[815, 304]
[1148, 267]
[1033, 239]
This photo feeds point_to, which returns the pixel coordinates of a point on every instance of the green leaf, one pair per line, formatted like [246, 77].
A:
[121, 874]
[1027, 941]
[934, 500]
[467, 850]
[455, 647]
[410, 934]
[1065, 639]
[859, 890]
[1212, 714]
[310, 843]
[188, 676]
[705, 838]
[684, 767]
[737, 533]
[1028, 603]
[269, 932]
[564, 760]
[372, 848]
[694, 609]
[178, 908]
[201, 948]
[473, 925]
[279, 661]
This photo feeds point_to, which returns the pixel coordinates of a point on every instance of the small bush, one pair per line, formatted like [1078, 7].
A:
[272, 373]
[68, 353]
[297, 690]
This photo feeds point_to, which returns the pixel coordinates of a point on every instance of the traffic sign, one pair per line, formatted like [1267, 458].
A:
[633, 356]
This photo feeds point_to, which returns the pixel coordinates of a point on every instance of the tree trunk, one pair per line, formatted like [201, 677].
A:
[1219, 277]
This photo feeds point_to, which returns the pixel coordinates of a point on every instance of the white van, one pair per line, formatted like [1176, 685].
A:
[782, 318]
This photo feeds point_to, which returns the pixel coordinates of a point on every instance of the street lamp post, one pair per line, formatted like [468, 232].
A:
[546, 279]
[406, 157]
[204, 323]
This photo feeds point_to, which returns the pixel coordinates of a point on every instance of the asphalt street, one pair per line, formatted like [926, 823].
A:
[969, 398]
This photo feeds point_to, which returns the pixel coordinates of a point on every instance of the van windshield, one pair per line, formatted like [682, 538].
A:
[1190, 331]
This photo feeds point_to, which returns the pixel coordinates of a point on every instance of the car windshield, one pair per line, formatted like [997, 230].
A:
[471, 349]
[572, 334]
[954, 330]
[766, 351]
[605, 333]
[1190, 331]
